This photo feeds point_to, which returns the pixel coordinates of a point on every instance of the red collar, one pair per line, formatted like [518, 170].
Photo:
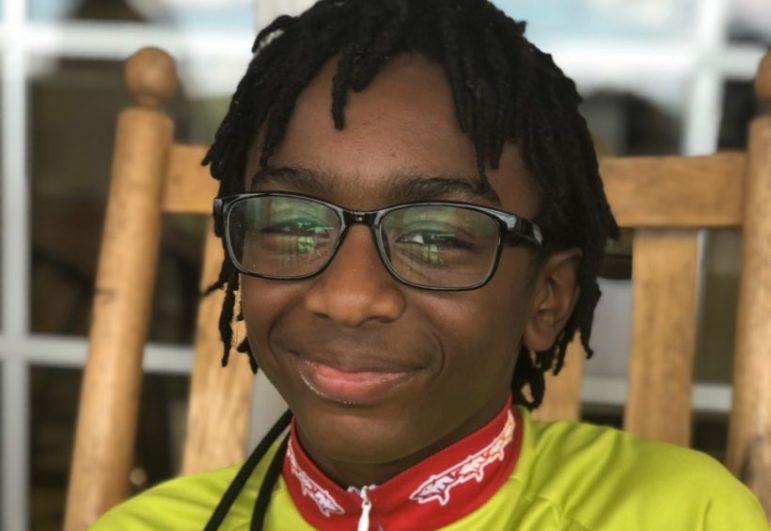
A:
[435, 492]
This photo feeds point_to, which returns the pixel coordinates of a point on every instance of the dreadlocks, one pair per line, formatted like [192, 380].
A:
[504, 90]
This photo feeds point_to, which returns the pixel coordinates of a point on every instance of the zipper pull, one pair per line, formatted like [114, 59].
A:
[366, 506]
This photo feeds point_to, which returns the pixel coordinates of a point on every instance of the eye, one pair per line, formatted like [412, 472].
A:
[440, 239]
[292, 237]
[298, 227]
[436, 248]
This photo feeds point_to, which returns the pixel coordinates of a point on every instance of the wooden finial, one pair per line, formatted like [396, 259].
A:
[151, 77]
[763, 80]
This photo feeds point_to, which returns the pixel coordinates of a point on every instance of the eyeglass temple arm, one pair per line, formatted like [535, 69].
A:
[523, 229]
[217, 214]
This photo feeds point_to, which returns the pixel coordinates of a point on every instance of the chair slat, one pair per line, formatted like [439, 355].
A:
[749, 442]
[675, 191]
[219, 397]
[562, 400]
[664, 269]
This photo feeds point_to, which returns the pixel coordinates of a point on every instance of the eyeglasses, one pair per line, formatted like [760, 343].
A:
[436, 245]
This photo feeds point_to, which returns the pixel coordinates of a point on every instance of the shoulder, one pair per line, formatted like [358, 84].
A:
[187, 502]
[608, 479]
[182, 503]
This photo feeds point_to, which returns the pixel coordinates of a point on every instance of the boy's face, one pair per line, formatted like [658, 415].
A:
[433, 366]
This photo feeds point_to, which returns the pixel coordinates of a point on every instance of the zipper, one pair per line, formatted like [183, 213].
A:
[366, 507]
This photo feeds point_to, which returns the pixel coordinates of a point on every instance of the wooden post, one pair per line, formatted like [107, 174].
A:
[664, 267]
[104, 440]
[749, 441]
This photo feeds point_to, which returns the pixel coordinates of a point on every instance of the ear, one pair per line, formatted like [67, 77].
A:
[555, 296]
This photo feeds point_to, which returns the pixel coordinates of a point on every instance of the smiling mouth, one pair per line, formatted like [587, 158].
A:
[350, 387]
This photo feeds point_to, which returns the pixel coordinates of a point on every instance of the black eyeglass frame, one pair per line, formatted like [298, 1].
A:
[513, 230]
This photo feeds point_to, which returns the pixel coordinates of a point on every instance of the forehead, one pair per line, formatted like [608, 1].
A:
[403, 125]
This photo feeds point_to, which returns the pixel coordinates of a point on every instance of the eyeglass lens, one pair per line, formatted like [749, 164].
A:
[427, 245]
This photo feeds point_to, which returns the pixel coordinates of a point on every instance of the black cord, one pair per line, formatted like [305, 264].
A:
[266, 489]
[246, 470]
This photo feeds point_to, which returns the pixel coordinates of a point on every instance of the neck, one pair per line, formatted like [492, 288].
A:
[357, 474]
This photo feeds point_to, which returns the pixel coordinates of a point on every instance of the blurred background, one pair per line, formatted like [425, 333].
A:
[658, 77]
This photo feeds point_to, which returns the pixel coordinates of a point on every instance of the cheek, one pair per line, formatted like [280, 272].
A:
[501, 308]
[252, 305]
[482, 329]
[264, 302]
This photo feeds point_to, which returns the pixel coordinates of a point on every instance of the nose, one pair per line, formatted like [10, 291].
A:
[356, 288]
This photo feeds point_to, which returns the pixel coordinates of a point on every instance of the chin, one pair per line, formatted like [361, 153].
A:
[363, 435]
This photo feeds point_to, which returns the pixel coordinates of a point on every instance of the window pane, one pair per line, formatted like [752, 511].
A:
[70, 179]
[231, 15]
[54, 401]
[105, 10]
[609, 19]
[647, 122]
[739, 107]
[750, 22]
[717, 331]
[54, 396]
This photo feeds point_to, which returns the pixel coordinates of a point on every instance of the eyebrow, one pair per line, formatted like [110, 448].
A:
[305, 178]
[400, 188]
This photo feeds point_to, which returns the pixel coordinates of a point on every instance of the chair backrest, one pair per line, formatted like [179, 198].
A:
[667, 200]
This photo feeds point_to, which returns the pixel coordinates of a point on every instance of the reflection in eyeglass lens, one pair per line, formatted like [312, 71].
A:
[283, 236]
[432, 245]
[441, 245]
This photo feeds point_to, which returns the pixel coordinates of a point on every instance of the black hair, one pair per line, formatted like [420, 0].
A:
[504, 89]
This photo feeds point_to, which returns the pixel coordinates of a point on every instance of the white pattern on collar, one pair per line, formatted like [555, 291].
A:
[438, 486]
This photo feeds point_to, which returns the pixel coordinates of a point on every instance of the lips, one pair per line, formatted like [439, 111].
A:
[357, 382]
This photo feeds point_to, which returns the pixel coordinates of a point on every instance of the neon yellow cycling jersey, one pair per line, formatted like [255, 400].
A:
[568, 476]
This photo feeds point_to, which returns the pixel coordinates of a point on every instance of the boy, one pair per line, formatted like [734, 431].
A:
[412, 214]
